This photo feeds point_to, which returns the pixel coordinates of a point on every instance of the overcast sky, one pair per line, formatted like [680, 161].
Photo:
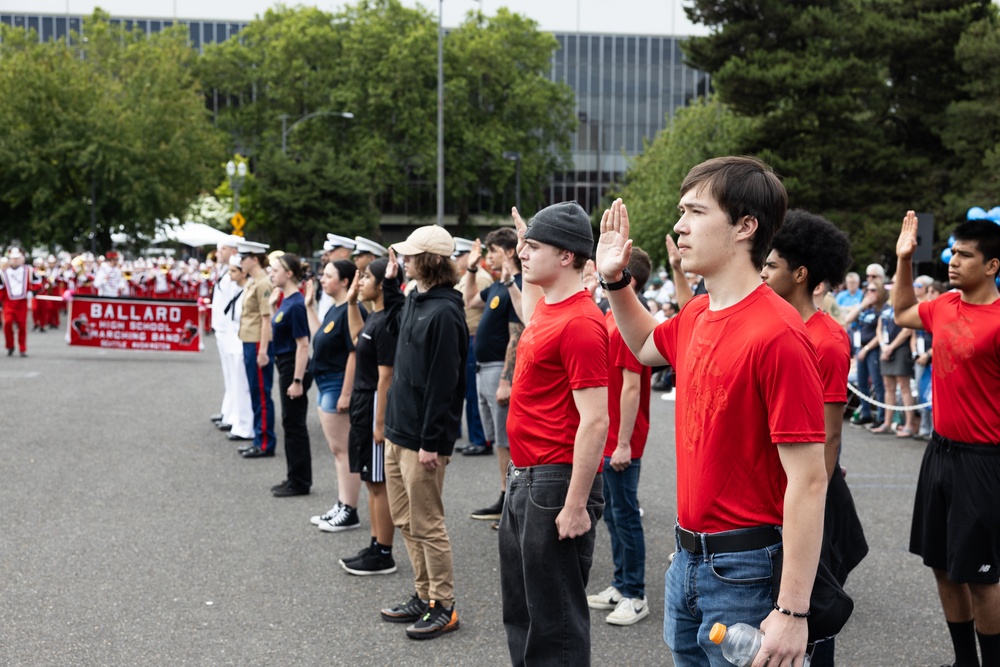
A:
[643, 17]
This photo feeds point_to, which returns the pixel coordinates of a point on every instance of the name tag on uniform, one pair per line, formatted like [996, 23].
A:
[885, 336]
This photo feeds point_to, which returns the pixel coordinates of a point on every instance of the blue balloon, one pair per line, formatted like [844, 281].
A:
[946, 255]
[951, 241]
[994, 214]
[976, 213]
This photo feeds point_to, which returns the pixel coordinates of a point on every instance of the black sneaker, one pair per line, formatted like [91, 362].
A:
[437, 621]
[371, 562]
[279, 486]
[406, 612]
[491, 513]
[860, 421]
[477, 450]
[361, 554]
[289, 490]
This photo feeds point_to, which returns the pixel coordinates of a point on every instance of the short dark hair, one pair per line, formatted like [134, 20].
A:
[434, 270]
[640, 267]
[812, 241]
[985, 233]
[744, 186]
[345, 269]
[377, 269]
[506, 239]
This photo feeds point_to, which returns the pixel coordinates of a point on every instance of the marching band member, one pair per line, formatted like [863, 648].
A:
[16, 280]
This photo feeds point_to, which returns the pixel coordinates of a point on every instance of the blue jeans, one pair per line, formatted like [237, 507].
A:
[260, 380]
[476, 435]
[621, 514]
[869, 369]
[543, 580]
[705, 589]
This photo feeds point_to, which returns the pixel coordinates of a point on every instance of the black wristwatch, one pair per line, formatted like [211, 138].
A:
[508, 282]
[297, 380]
[625, 281]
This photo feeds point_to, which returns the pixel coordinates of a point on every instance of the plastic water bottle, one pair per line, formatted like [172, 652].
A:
[740, 642]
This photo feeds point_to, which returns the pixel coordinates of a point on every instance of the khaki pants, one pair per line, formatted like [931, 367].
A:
[418, 511]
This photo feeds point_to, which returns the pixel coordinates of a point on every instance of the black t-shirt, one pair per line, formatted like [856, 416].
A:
[867, 321]
[493, 333]
[332, 342]
[376, 347]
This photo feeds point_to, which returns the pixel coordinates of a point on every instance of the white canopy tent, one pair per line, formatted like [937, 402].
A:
[190, 233]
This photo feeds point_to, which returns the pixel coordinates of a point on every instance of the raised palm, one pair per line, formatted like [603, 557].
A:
[614, 247]
[907, 243]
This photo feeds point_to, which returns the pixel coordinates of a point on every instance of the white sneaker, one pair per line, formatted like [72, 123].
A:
[320, 518]
[629, 611]
[606, 599]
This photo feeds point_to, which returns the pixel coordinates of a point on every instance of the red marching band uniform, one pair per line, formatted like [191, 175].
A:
[15, 283]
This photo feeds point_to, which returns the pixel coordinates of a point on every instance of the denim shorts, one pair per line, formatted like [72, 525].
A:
[329, 386]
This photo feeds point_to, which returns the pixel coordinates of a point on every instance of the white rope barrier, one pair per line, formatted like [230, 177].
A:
[901, 408]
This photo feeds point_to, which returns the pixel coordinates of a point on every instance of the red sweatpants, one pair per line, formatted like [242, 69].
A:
[15, 312]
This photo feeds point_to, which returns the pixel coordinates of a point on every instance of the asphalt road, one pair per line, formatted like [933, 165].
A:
[133, 534]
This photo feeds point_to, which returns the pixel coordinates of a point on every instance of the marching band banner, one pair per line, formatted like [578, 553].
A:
[135, 324]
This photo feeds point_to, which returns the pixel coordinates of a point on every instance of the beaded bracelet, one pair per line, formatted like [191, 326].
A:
[786, 612]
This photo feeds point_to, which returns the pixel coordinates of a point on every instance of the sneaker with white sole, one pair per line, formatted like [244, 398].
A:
[320, 518]
[346, 519]
[373, 562]
[606, 599]
[629, 611]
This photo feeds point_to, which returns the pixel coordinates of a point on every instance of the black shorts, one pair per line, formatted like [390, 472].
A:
[366, 458]
[956, 516]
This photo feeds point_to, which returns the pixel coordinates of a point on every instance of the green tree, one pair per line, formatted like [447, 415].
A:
[118, 115]
[651, 189]
[499, 99]
[850, 100]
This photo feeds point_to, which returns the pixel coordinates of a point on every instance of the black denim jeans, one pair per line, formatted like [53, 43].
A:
[293, 422]
[543, 580]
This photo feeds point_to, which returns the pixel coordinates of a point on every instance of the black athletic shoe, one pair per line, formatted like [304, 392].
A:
[358, 556]
[410, 611]
[477, 450]
[860, 421]
[491, 513]
[370, 563]
[437, 621]
[290, 490]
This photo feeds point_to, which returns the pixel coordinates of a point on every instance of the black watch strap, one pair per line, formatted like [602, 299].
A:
[625, 281]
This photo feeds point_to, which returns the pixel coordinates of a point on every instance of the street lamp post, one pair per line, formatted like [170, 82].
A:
[285, 128]
[440, 119]
[237, 175]
[516, 157]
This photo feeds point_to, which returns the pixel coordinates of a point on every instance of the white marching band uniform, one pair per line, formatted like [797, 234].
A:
[236, 407]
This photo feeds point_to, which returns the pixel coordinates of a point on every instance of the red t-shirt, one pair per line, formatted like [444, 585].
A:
[747, 380]
[965, 375]
[620, 359]
[564, 347]
[833, 348]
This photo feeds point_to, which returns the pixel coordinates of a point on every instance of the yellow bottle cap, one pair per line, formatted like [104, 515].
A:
[717, 633]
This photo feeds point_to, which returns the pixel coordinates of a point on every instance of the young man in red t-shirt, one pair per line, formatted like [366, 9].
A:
[956, 516]
[556, 427]
[628, 413]
[809, 250]
[751, 479]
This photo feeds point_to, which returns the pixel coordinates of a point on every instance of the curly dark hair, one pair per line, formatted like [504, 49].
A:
[809, 240]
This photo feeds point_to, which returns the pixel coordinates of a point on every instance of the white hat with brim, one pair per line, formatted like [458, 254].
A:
[231, 241]
[430, 239]
[251, 248]
[337, 241]
[235, 260]
[363, 245]
[462, 246]
[15, 253]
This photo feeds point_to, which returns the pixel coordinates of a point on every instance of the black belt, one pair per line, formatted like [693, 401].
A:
[737, 540]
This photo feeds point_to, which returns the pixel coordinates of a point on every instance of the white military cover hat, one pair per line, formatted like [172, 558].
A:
[462, 246]
[363, 245]
[234, 260]
[338, 241]
[15, 253]
[251, 248]
[231, 241]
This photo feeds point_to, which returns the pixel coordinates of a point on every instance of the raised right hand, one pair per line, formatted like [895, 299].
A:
[907, 243]
[614, 247]
[392, 269]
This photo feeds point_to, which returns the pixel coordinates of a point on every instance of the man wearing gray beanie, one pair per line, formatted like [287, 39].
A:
[557, 424]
